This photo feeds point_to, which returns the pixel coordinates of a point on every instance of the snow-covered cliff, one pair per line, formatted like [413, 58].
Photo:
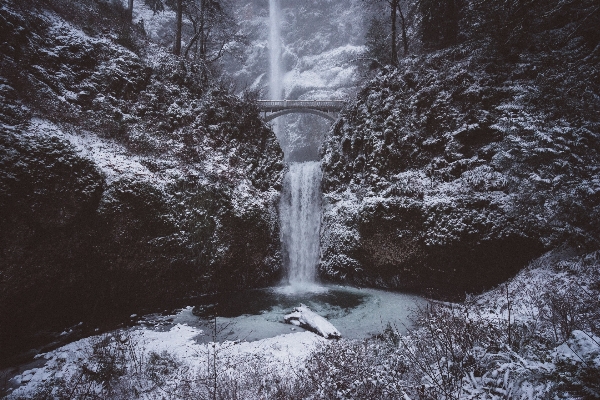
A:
[454, 169]
[124, 181]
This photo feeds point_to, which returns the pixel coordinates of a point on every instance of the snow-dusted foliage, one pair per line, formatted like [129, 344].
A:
[533, 337]
[150, 364]
[462, 164]
[124, 179]
[536, 336]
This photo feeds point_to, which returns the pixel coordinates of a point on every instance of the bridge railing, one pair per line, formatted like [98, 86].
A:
[273, 105]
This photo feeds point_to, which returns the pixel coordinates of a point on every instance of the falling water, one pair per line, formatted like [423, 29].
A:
[275, 76]
[300, 213]
[300, 208]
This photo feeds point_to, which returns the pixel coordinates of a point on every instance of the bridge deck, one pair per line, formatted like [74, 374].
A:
[321, 105]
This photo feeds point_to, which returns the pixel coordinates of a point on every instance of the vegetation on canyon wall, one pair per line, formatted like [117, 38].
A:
[453, 169]
[126, 179]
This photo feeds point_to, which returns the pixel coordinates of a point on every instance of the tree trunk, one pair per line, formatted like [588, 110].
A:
[130, 11]
[193, 40]
[201, 31]
[404, 35]
[394, 55]
[452, 35]
[177, 46]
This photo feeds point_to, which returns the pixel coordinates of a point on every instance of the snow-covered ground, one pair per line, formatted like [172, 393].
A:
[509, 342]
[247, 341]
[281, 353]
[113, 160]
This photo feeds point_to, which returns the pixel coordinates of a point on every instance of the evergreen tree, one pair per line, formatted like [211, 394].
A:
[439, 23]
[377, 43]
[382, 34]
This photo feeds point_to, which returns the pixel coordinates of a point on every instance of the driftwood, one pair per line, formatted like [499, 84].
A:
[302, 316]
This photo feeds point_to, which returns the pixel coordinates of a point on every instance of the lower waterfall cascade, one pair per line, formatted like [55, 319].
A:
[300, 215]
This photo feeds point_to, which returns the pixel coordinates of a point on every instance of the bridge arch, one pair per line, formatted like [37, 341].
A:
[328, 109]
[329, 116]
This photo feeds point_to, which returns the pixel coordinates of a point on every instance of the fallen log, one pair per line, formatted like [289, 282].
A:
[306, 318]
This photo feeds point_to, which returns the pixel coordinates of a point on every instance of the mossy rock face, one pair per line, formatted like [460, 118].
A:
[445, 251]
[76, 248]
[48, 201]
[455, 169]
[164, 219]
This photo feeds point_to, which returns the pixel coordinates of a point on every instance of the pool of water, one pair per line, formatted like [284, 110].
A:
[258, 314]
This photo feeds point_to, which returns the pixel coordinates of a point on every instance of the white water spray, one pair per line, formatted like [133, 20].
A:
[300, 208]
[300, 214]
[275, 73]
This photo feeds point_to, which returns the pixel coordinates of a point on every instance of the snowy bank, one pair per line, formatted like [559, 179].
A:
[150, 362]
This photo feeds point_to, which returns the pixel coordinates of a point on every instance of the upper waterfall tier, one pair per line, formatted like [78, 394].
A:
[276, 75]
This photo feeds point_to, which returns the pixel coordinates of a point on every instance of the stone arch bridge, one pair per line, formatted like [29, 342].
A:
[329, 109]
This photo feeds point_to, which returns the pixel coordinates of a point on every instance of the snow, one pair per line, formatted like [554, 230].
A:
[310, 320]
[580, 346]
[265, 339]
[285, 351]
[505, 372]
[110, 157]
[281, 353]
[116, 162]
[155, 24]
[329, 70]
[323, 75]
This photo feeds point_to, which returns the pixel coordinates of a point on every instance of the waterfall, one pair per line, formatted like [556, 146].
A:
[300, 214]
[300, 207]
[275, 76]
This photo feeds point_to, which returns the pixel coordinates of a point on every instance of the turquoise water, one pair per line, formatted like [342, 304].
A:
[258, 314]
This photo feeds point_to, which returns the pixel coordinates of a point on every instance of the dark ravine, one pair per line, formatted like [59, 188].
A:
[139, 194]
[445, 175]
